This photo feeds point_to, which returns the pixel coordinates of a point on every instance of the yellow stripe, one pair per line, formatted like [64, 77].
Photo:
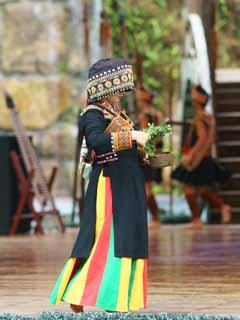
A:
[65, 278]
[122, 304]
[75, 292]
[137, 299]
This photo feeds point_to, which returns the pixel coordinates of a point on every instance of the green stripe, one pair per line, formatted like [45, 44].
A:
[108, 293]
[54, 294]
[133, 269]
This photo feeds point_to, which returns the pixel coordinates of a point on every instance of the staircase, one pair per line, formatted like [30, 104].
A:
[227, 112]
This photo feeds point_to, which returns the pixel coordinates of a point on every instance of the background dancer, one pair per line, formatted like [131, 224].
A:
[199, 172]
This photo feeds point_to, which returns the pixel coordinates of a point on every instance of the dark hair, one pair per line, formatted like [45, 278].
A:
[202, 91]
[151, 93]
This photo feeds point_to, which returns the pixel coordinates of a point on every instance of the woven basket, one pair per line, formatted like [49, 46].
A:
[164, 159]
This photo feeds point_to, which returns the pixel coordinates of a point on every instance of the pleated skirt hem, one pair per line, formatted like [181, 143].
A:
[207, 174]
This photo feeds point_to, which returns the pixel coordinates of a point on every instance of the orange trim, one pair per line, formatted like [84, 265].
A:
[122, 140]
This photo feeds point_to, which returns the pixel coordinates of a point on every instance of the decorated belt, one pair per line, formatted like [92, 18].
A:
[106, 157]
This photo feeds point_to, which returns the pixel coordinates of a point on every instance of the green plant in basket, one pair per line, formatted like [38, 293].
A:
[155, 132]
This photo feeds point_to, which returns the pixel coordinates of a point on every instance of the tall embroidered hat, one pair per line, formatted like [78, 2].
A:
[108, 77]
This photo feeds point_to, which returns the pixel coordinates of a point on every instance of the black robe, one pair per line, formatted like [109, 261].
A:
[128, 194]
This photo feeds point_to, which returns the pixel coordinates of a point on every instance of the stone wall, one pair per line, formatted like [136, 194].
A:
[43, 66]
[39, 58]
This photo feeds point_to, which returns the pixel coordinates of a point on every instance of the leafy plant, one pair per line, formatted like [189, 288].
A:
[155, 132]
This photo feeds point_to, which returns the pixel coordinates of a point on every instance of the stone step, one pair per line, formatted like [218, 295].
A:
[230, 193]
[234, 210]
[228, 128]
[227, 75]
[232, 199]
[232, 184]
[236, 176]
[229, 159]
[229, 143]
[227, 119]
[232, 93]
[233, 166]
[227, 86]
[227, 133]
[229, 148]
[228, 114]
[230, 88]
[230, 105]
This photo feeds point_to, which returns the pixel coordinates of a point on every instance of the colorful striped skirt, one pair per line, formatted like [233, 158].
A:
[103, 280]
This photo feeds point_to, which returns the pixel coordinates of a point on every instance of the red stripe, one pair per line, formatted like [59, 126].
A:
[145, 283]
[97, 265]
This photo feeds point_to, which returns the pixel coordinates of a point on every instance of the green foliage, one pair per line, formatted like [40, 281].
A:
[62, 67]
[228, 28]
[155, 132]
[156, 32]
[223, 14]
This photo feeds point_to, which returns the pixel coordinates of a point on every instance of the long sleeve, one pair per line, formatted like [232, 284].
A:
[93, 125]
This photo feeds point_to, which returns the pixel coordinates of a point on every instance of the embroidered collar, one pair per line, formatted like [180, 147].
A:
[115, 111]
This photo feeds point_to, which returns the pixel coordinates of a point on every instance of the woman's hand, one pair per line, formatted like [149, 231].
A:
[140, 137]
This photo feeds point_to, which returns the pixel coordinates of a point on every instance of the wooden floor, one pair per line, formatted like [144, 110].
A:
[189, 271]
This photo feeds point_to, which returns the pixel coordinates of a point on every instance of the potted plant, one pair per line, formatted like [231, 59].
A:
[160, 159]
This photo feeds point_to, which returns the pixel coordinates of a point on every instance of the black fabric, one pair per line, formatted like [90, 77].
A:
[208, 173]
[104, 65]
[151, 174]
[128, 195]
[93, 124]
[193, 138]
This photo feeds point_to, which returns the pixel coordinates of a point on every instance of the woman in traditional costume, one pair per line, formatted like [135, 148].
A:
[199, 172]
[108, 264]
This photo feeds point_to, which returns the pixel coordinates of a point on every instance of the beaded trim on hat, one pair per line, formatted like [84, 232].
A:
[110, 82]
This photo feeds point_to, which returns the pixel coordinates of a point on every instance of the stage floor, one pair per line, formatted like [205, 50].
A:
[189, 271]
